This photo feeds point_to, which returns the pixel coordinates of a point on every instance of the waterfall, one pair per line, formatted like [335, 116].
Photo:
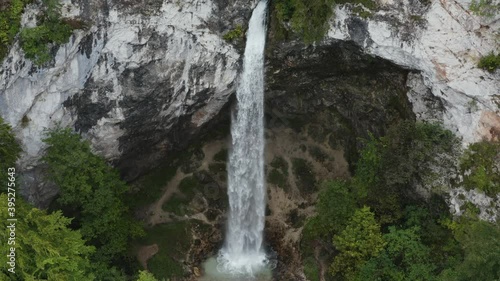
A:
[242, 252]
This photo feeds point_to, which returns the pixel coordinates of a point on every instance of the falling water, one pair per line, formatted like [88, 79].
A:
[243, 253]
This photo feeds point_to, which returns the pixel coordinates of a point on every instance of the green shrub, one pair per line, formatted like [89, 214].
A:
[308, 18]
[236, 33]
[10, 23]
[490, 62]
[311, 269]
[479, 242]
[52, 30]
[486, 8]
[357, 243]
[479, 166]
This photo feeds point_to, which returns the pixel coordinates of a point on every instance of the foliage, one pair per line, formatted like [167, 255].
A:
[10, 23]
[9, 152]
[335, 206]
[486, 8]
[480, 167]
[387, 167]
[146, 276]
[311, 269]
[36, 41]
[308, 18]
[174, 240]
[433, 232]
[490, 62]
[357, 243]
[405, 257]
[235, 33]
[481, 245]
[46, 249]
[52, 30]
[92, 191]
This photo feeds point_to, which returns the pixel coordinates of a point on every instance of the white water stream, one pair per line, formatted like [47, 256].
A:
[242, 253]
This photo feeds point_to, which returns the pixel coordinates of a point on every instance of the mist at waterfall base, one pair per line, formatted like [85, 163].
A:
[242, 254]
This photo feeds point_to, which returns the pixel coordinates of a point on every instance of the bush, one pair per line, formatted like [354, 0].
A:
[10, 23]
[357, 243]
[53, 30]
[480, 167]
[490, 62]
[486, 8]
[308, 18]
[236, 33]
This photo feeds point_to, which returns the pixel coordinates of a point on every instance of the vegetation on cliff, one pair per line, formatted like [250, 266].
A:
[92, 192]
[309, 18]
[51, 29]
[397, 234]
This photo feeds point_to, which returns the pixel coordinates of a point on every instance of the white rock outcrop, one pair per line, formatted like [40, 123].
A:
[442, 41]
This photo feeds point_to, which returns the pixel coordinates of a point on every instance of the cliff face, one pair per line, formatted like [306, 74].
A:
[147, 77]
[141, 81]
[443, 41]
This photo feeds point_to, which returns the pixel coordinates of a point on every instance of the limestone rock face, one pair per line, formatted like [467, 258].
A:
[140, 81]
[148, 76]
[443, 41]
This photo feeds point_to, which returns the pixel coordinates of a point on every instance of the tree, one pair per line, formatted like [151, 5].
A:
[45, 248]
[146, 276]
[92, 191]
[480, 241]
[9, 152]
[403, 258]
[357, 243]
[336, 205]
